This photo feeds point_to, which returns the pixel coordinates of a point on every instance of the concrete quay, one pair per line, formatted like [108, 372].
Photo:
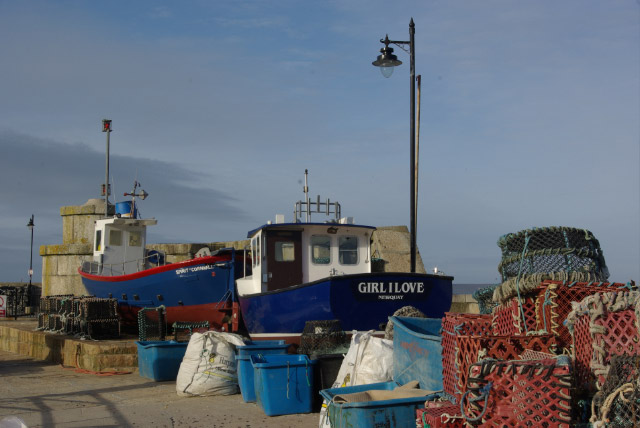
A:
[44, 394]
[46, 381]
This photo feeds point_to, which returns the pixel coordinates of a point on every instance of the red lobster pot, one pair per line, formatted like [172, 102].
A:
[533, 393]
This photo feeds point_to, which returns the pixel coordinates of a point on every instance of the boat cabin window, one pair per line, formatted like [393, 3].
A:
[255, 251]
[258, 250]
[348, 250]
[115, 237]
[320, 249]
[135, 239]
[285, 251]
[98, 239]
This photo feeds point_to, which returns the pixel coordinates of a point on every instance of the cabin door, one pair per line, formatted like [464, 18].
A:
[284, 259]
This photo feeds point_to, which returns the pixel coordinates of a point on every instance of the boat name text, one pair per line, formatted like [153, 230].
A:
[391, 287]
[193, 269]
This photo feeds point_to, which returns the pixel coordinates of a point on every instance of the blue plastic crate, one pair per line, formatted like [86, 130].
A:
[263, 347]
[283, 383]
[245, 369]
[417, 355]
[160, 360]
[397, 413]
[417, 351]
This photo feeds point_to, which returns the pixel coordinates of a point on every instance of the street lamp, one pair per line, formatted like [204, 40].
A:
[106, 127]
[387, 61]
[30, 225]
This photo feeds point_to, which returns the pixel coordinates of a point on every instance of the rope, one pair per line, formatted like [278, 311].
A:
[288, 379]
[484, 393]
[608, 402]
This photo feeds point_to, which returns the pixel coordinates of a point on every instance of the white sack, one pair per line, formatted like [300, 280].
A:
[209, 365]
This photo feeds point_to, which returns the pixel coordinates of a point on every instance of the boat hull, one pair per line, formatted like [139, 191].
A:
[360, 302]
[195, 290]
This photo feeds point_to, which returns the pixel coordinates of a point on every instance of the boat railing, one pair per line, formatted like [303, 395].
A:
[120, 268]
[308, 207]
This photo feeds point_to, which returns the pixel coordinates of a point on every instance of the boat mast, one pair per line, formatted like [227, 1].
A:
[142, 195]
[298, 206]
[306, 193]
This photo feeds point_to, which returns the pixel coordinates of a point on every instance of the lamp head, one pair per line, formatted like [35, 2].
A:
[386, 61]
[30, 225]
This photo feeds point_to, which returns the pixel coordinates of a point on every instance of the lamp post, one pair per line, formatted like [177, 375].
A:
[30, 225]
[387, 61]
[106, 127]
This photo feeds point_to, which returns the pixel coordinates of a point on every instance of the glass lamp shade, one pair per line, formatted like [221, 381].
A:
[386, 61]
[386, 71]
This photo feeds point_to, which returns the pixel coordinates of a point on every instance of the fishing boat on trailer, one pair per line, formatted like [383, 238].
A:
[323, 271]
[195, 290]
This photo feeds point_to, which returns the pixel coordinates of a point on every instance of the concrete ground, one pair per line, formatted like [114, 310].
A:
[43, 394]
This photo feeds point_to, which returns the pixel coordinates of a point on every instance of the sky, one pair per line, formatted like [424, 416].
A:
[529, 117]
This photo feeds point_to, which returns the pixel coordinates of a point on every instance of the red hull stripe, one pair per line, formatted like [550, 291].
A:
[155, 270]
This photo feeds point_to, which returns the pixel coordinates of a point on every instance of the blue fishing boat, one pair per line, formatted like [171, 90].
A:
[195, 290]
[309, 271]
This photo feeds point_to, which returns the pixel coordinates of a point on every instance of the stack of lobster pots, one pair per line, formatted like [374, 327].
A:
[543, 356]
[87, 316]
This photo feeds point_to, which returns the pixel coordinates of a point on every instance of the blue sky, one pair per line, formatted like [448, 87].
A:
[529, 118]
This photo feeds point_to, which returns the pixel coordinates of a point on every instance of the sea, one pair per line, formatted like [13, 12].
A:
[468, 288]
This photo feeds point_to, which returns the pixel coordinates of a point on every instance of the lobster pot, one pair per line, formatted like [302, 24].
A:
[454, 325]
[55, 322]
[515, 316]
[182, 331]
[43, 321]
[469, 349]
[554, 300]
[618, 401]
[484, 297]
[534, 393]
[101, 329]
[440, 414]
[70, 325]
[322, 337]
[555, 253]
[603, 325]
[54, 304]
[93, 308]
[152, 324]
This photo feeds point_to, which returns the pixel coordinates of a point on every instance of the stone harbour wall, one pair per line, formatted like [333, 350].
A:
[19, 337]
